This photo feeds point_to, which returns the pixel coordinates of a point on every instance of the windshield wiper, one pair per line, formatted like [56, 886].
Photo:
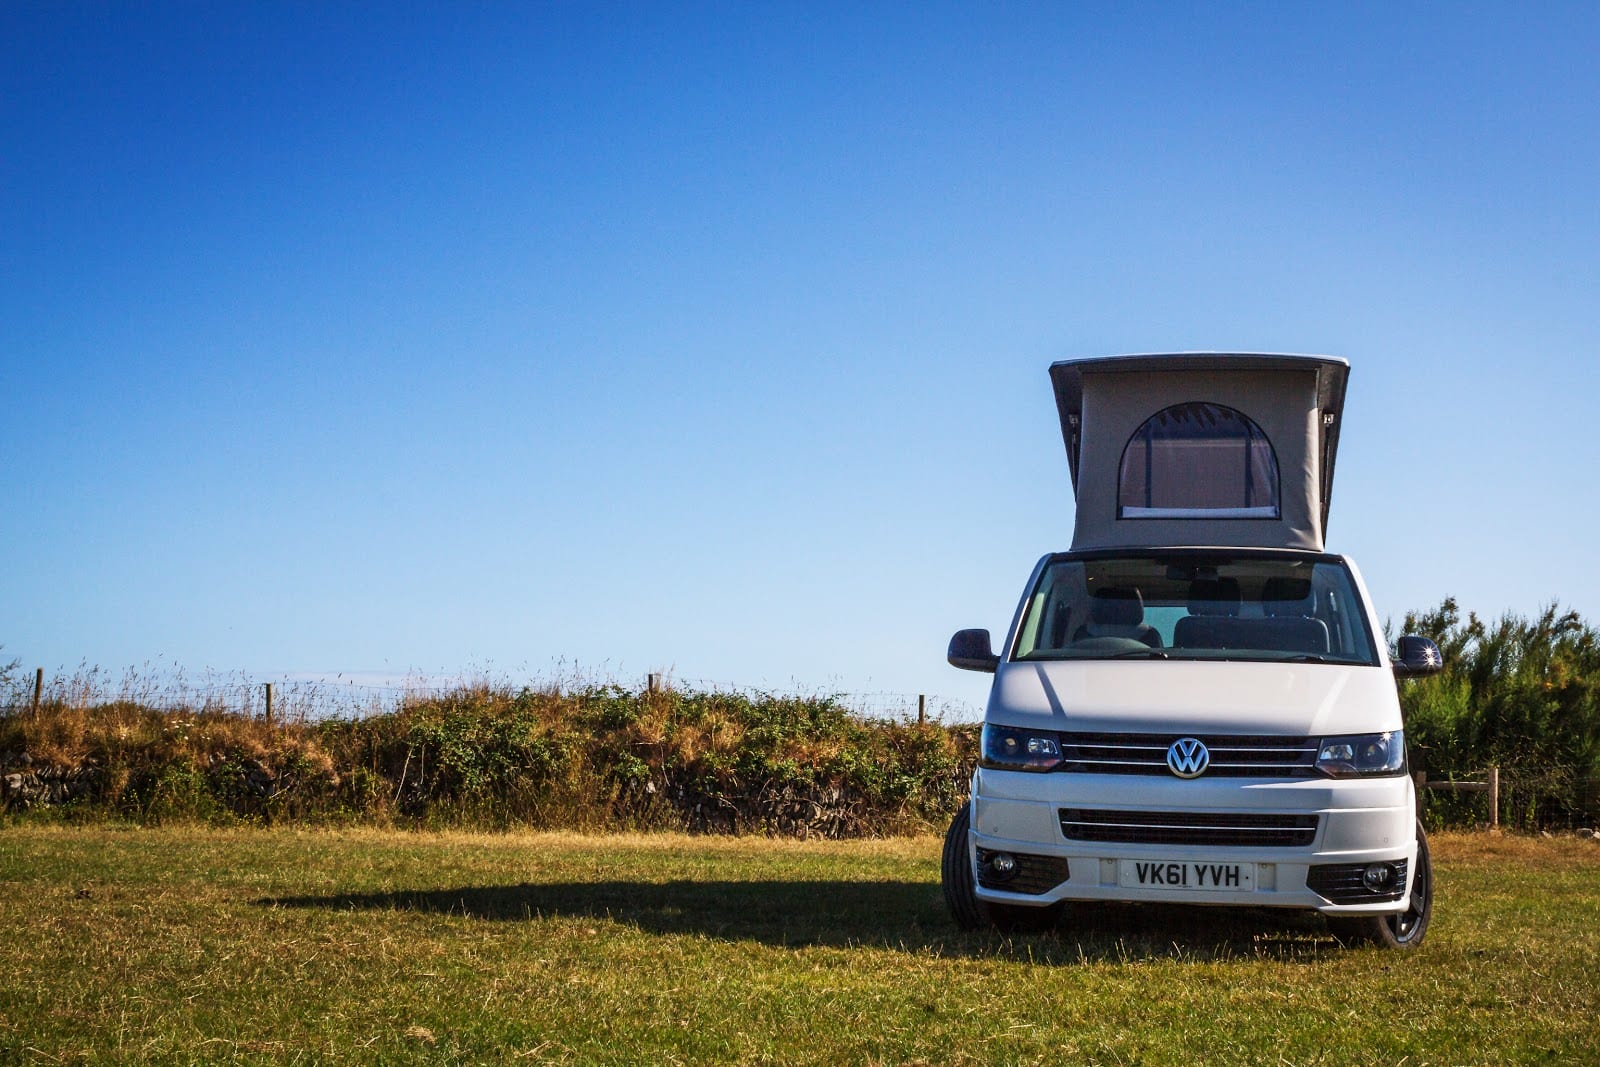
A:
[1138, 653]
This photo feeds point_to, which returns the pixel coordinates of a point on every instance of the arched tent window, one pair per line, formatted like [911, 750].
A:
[1198, 461]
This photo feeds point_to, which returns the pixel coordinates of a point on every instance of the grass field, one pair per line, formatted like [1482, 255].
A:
[193, 944]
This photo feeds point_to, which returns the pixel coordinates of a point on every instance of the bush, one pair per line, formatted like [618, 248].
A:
[600, 757]
[1521, 694]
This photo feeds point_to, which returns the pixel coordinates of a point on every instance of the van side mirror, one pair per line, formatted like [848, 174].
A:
[971, 651]
[1418, 657]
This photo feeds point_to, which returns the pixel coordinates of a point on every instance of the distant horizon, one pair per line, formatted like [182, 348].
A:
[245, 688]
[572, 677]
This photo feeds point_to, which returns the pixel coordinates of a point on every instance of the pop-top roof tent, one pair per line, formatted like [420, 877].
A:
[1202, 449]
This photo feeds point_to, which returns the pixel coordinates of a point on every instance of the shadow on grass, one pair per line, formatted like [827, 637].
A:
[908, 916]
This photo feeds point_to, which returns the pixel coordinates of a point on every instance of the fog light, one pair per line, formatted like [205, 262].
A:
[1379, 877]
[1003, 864]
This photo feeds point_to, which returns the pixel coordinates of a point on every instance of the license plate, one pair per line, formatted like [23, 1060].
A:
[1161, 874]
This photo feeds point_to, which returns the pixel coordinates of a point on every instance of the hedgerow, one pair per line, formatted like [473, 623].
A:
[1517, 693]
[1521, 694]
[596, 758]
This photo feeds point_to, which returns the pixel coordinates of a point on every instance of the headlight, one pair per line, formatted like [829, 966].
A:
[1362, 755]
[1010, 749]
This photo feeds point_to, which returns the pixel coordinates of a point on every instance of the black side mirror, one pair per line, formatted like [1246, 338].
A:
[1419, 657]
[971, 651]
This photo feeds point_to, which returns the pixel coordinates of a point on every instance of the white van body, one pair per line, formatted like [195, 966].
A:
[1194, 704]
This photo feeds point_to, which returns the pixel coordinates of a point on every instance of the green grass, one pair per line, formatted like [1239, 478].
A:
[300, 946]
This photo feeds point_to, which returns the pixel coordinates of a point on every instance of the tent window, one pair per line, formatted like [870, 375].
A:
[1198, 461]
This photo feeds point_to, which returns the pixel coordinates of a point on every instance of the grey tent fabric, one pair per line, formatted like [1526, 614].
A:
[1295, 402]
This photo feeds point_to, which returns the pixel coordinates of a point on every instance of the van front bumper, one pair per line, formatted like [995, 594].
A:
[1302, 843]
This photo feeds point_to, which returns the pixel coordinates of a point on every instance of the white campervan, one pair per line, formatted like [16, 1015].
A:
[1194, 704]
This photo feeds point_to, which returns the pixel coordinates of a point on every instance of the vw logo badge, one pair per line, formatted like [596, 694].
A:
[1187, 757]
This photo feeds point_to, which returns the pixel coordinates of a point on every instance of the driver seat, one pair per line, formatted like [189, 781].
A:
[1118, 612]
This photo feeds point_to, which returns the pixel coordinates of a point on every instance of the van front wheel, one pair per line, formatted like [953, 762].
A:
[956, 874]
[966, 909]
[1404, 930]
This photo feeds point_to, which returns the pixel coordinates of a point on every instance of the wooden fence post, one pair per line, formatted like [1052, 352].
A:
[1492, 787]
[38, 689]
[652, 683]
[1494, 798]
[269, 703]
[922, 708]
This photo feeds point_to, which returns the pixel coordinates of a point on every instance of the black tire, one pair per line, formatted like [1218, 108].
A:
[1404, 930]
[956, 874]
[966, 909]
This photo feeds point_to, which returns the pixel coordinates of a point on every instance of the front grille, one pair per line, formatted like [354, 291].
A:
[1034, 874]
[1231, 756]
[1188, 827]
[1340, 883]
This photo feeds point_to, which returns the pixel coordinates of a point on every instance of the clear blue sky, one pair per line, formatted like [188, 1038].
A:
[714, 339]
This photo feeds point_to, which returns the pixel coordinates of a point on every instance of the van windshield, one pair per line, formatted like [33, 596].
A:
[1196, 606]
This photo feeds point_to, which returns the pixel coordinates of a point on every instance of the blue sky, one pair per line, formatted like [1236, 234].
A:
[713, 338]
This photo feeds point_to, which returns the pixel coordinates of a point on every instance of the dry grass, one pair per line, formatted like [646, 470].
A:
[1537, 851]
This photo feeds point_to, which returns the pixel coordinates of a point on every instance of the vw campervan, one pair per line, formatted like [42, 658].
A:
[1194, 704]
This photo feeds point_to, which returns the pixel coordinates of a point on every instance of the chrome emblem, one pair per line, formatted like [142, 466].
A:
[1187, 757]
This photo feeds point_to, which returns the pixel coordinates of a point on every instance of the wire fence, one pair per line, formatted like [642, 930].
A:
[289, 698]
[1522, 797]
[869, 704]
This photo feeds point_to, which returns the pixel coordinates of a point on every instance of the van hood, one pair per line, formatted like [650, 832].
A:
[1179, 696]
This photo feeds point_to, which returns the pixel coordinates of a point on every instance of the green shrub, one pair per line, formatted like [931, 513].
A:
[1519, 694]
[600, 757]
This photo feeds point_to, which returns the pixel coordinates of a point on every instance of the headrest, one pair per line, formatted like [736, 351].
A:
[1117, 607]
[1214, 596]
[1286, 596]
